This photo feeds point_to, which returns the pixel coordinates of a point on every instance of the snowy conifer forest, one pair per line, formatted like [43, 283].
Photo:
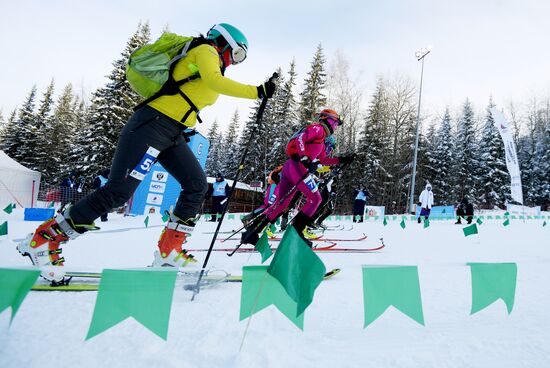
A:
[460, 150]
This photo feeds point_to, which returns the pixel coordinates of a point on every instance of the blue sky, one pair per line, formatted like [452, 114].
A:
[481, 48]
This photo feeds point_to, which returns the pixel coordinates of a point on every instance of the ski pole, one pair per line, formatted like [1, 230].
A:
[277, 204]
[240, 169]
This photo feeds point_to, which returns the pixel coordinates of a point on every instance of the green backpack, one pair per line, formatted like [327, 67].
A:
[150, 66]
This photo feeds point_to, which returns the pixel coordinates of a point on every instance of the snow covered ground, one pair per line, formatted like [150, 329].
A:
[50, 327]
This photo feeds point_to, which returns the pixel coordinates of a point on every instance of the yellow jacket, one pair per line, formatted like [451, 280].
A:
[203, 91]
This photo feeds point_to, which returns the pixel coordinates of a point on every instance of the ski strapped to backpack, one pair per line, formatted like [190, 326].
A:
[150, 69]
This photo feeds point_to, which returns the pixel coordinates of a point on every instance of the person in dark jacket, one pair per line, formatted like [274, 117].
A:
[464, 210]
[360, 194]
[219, 193]
[100, 181]
[68, 186]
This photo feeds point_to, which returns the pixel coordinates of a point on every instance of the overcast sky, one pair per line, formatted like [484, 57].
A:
[480, 48]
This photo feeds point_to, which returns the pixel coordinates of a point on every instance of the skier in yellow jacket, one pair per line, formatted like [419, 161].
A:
[154, 132]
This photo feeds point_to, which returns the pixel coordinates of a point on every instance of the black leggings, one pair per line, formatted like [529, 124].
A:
[147, 128]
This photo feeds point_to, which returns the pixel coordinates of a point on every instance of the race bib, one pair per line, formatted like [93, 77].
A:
[311, 184]
[147, 161]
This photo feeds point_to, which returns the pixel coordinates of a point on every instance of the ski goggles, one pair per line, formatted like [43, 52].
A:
[238, 52]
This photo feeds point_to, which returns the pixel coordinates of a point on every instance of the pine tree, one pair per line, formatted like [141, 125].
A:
[254, 160]
[112, 106]
[214, 163]
[371, 147]
[61, 133]
[2, 125]
[285, 120]
[39, 160]
[20, 144]
[426, 160]
[312, 97]
[541, 159]
[467, 163]
[8, 133]
[443, 160]
[232, 152]
[493, 172]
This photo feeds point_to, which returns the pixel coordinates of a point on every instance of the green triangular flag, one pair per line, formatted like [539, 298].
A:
[298, 269]
[385, 286]
[51, 205]
[14, 287]
[144, 295]
[4, 228]
[493, 281]
[338, 218]
[357, 217]
[506, 222]
[260, 290]
[9, 208]
[497, 217]
[426, 222]
[165, 217]
[263, 247]
[231, 217]
[146, 221]
[347, 218]
[544, 224]
[506, 213]
[394, 218]
[514, 217]
[385, 220]
[479, 221]
[402, 223]
[470, 230]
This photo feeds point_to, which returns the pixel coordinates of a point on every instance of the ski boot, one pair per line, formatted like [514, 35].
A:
[301, 221]
[174, 235]
[43, 246]
[309, 234]
[250, 236]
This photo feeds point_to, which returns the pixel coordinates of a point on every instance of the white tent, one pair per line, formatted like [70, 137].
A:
[18, 184]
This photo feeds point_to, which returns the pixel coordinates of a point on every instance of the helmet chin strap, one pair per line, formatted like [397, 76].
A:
[328, 127]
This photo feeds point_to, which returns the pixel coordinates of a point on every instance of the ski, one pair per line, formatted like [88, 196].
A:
[319, 238]
[332, 248]
[94, 286]
[248, 250]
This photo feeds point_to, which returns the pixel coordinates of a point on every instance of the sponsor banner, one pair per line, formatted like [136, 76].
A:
[373, 211]
[439, 212]
[523, 210]
[157, 187]
[153, 198]
[149, 210]
[511, 156]
[161, 176]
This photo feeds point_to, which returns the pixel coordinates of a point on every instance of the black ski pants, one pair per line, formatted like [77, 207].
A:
[147, 128]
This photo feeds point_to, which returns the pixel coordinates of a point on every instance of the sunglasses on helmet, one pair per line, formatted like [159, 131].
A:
[238, 52]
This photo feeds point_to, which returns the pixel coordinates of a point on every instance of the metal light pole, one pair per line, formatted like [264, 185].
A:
[420, 55]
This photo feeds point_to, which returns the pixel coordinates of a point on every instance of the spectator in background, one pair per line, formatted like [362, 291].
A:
[426, 202]
[80, 188]
[67, 189]
[99, 182]
[360, 194]
[464, 210]
[219, 193]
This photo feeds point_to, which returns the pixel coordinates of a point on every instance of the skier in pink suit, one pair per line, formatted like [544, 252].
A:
[306, 150]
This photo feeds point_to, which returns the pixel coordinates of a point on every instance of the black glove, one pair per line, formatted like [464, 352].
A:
[347, 159]
[266, 90]
[311, 166]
